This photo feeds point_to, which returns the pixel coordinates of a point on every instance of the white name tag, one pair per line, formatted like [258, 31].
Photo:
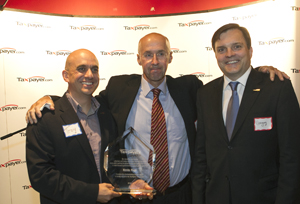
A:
[72, 130]
[261, 124]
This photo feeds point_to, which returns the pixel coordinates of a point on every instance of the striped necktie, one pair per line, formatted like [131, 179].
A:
[161, 177]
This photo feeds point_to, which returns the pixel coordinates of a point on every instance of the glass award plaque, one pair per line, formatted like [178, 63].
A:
[126, 165]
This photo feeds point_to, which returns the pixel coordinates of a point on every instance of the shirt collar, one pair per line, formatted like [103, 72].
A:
[146, 87]
[242, 80]
[95, 105]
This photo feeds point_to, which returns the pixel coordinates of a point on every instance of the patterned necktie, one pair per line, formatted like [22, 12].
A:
[232, 110]
[161, 177]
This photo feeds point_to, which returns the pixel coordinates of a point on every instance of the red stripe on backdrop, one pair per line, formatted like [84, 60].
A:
[120, 7]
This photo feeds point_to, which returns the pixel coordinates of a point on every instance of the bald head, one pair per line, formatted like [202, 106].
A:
[78, 55]
[82, 74]
[154, 56]
[153, 37]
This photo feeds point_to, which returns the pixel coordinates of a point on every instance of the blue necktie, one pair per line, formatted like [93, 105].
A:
[232, 110]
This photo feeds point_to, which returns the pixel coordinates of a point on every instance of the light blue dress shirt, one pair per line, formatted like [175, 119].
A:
[140, 119]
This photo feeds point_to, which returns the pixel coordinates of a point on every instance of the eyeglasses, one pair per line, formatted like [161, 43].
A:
[159, 55]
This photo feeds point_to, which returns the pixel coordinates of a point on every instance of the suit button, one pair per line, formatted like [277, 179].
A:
[230, 147]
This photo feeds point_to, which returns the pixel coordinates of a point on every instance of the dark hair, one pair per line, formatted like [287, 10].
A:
[227, 27]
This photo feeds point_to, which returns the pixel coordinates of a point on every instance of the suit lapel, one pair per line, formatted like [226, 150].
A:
[217, 104]
[104, 136]
[130, 94]
[176, 95]
[69, 116]
[249, 97]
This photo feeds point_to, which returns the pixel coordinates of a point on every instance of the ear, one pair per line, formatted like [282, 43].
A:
[171, 57]
[65, 75]
[138, 58]
[250, 52]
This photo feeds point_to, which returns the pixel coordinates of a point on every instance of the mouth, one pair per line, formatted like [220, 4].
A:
[232, 62]
[87, 83]
[155, 68]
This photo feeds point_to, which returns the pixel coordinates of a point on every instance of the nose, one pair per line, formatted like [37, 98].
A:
[89, 73]
[229, 52]
[154, 59]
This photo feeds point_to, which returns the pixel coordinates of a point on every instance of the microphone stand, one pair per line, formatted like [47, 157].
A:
[11, 134]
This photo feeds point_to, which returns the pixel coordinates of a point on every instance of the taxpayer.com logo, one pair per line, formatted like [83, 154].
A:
[26, 187]
[8, 50]
[32, 25]
[11, 107]
[116, 53]
[13, 162]
[194, 23]
[296, 71]
[275, 41]
[177, 50]
[86, 28]
[59, 52]
[236, 18]
[199, 74]
[139, 27]
[34, 79]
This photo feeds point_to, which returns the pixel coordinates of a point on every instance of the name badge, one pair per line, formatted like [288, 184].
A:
[72, 130]
[261, 124]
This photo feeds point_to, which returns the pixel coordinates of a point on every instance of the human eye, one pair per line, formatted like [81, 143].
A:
[237, 46]
[161, 54]
[220, 49]
[81, 69]
[148, 55]
[95, 69]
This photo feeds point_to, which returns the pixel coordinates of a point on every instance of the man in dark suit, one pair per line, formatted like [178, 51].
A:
[258, 162]
[129, 98]
[64, 151]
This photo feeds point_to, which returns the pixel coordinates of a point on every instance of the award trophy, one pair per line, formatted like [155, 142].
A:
[126, 165]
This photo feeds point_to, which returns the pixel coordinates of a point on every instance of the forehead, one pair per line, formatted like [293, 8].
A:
[230, 37]
[84, 60]
[153, 43]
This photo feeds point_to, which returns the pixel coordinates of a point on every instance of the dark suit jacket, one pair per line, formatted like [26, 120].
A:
[63, 169]
[254, 167]
[121, 91]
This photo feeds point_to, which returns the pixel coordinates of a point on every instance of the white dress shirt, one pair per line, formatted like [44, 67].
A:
[227, 92]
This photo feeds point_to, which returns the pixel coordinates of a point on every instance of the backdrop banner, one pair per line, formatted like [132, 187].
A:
[34, 48]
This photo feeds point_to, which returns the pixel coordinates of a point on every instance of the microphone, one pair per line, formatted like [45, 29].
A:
[11, 134]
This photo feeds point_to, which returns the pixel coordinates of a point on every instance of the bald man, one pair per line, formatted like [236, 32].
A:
[130, 99]
[64, 151]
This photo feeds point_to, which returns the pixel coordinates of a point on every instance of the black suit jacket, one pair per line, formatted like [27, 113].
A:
[63, 169]
[121, 91]
[254, 167]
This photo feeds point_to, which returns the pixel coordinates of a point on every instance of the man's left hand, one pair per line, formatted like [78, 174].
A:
[273, 71]
[141, 185]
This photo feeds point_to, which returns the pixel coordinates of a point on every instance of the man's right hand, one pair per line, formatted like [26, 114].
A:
[106, 193]
[35, 109]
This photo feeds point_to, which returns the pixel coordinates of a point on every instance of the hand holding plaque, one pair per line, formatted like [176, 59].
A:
[125, 166]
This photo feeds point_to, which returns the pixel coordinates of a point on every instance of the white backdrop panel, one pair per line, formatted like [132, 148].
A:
[34, 49]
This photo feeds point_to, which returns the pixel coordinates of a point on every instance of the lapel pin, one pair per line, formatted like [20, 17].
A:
[256, 89]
